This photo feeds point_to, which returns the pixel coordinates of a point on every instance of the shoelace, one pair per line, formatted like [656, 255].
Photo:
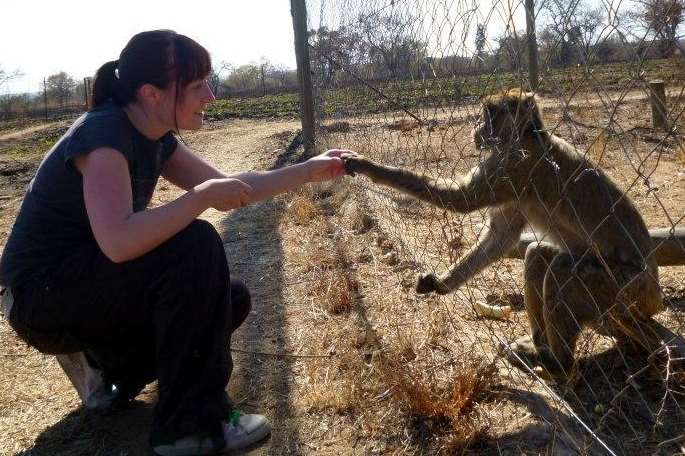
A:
[234, 419]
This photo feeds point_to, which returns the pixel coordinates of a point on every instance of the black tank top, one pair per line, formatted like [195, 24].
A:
[52, 220]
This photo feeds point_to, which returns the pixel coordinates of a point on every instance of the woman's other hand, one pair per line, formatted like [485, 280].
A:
[225, 194]
[328, 165]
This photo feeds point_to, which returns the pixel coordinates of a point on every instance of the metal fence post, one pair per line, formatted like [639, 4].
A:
[298, 9]
[532, 44]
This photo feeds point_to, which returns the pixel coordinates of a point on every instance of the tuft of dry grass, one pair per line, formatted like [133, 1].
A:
[339, 396]
[451, 402]
[335, 291]
[302, 210]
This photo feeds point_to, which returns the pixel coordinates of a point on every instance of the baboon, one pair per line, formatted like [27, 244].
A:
[593, 264]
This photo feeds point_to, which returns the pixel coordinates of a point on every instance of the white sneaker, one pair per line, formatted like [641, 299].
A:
[88, 381]
[239, 432]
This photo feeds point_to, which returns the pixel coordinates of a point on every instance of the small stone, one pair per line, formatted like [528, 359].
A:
[600, 409]
[389, 258]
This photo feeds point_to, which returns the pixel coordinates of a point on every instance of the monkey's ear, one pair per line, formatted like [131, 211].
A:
[529, 99]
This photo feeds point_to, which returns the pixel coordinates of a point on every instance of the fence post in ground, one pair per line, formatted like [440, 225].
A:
[532, 45]
[45, 97]
[298, 9]
[85, 92]
[657, 98]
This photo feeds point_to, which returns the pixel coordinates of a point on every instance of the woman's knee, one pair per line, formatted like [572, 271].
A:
[199, 236]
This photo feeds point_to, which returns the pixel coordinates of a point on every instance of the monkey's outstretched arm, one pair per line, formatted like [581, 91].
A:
[505, 226]
[479, 188]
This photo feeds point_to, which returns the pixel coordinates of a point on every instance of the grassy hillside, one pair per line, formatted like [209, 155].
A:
[437, 92]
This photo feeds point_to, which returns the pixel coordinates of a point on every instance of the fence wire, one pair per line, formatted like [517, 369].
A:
[400, 81]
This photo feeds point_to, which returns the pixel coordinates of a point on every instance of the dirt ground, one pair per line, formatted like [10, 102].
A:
[331, 270]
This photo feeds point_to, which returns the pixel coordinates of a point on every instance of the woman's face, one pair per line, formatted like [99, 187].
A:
[192, 101]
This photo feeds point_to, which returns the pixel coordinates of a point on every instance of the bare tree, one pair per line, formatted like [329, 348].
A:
[215, 80]
[480, 43]
[571, 31]
[284, 76]
[7, 76]
[332, 50]
[511, 51]
[265, 68]
[392, 43]
[60, 87]
[662, 18]
[244, 77]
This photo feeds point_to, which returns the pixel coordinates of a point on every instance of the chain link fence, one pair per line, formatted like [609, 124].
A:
[401, 82]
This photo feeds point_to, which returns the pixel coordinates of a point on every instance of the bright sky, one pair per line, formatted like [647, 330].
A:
[43, 37]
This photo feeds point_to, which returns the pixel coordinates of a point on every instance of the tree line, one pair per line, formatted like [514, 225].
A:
[385, 46]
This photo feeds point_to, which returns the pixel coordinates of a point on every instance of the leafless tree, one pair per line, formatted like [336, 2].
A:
[661, 19]
[7, 76]
[511, 51]
[392, 43]
[60, 87]
[333, 50]
[571, 31]
[215, 79]
[480, 43]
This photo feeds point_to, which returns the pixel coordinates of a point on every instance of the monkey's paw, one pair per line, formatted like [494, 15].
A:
[427, 283]
[355, 164]
[521, 353]
[550, 368]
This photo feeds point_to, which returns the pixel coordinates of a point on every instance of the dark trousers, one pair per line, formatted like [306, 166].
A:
[167, 315]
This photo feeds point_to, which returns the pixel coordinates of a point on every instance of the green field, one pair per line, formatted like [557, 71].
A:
[444, 91]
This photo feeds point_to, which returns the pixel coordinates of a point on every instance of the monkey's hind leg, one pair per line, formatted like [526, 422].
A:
[539, 256]
[576, 293]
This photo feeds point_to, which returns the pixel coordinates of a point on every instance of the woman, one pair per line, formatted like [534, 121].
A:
[137, 293]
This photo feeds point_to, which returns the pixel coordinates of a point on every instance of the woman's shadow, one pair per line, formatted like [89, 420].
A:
[83, 432]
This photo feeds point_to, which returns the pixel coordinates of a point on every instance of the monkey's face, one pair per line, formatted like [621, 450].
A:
[489, 130]
[505, 119]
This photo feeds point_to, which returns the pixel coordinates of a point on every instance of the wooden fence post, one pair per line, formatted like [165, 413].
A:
[45, 97]
[298, 9]
[657, 98]
[85, 92]
[532, 45]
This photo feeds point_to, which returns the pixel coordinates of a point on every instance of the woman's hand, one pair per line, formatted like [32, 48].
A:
[225, 194]
[327, 166]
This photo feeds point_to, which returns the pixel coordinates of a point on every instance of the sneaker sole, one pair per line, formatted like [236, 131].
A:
[250, 439]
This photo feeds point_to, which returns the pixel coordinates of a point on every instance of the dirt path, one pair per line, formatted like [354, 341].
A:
[38, 407]
[26, 132]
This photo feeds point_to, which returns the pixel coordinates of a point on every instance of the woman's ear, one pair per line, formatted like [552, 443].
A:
[150, 94]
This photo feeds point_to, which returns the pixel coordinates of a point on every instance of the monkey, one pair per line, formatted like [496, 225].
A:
[593, 264]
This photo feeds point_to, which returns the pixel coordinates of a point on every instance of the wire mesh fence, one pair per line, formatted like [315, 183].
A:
[404, 83]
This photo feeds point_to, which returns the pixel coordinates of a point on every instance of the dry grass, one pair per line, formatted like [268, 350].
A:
[334, 290]
[598, 148]
[373, 373]
[302, 210]
[451, 402]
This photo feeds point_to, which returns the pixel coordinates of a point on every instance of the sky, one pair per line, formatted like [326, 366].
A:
[43, 37]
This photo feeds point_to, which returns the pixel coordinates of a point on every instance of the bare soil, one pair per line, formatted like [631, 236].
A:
[331, 270]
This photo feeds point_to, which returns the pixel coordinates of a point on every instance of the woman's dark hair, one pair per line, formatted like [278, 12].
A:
[157, 57]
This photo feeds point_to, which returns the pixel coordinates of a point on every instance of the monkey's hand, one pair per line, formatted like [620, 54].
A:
[356, 164]
[429, 282]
